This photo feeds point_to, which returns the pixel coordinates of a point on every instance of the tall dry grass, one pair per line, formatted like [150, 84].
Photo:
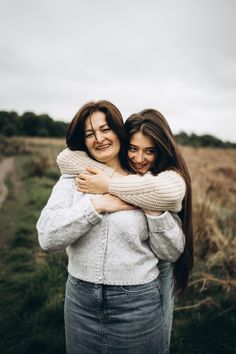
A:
[204, 320]
[213, 173]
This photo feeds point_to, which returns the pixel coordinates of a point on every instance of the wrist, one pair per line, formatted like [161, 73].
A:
[153, 213]
[106, 184]
[97, 206]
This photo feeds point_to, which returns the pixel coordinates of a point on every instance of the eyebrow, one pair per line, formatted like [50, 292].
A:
[101, 126]
[150, 147]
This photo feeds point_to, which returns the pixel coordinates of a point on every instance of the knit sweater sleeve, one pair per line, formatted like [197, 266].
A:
[75, 162]
[166, 237]
[63, 221]
[155, 193]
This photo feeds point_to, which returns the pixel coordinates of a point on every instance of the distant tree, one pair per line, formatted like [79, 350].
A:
[202, 140]
[59, 129]
[46, 125]
[209, 140]
[182, 138]
[42, 125]
[9, 123]
[30, 124]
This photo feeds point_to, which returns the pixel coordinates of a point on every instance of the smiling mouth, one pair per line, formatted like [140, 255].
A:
[103, 147]
[139, 166]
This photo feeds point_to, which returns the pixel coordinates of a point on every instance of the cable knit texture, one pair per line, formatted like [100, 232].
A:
[155, 193]
[111, 248]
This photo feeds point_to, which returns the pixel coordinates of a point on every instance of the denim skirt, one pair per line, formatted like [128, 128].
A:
[114, 319]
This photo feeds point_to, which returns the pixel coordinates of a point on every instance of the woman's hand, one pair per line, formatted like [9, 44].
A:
[108, 203]
[92, 181]
[153, 213]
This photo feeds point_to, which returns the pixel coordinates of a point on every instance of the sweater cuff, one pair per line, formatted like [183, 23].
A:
[161, 222]
[89, 211]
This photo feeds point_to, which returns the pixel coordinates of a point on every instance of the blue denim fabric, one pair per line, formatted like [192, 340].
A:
[167, 287]
[114, 319]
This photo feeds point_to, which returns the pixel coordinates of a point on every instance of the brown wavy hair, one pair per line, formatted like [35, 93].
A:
[75, 136]
[154, 125]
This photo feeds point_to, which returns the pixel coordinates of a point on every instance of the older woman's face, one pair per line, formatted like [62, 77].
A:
[142, 152]
[102, 142]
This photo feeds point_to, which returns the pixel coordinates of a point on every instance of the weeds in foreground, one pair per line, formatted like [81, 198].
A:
[32, 282]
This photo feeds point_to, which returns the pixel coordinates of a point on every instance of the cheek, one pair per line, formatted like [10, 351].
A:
[152, 160]
[117, 143]
[88, 145]
[130, 155]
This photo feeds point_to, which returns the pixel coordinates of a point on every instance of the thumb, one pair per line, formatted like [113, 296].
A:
[92, 170]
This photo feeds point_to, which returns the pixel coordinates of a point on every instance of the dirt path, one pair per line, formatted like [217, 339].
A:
[6, 166]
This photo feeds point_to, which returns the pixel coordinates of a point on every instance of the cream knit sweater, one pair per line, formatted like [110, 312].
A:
[110, 248]
[155, 193]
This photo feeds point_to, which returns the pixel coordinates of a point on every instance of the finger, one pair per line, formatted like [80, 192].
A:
[82, 186]
[82, 176]
[92, 170]
[77, 180]
[82, 190]
[130, 207]
[81, 181]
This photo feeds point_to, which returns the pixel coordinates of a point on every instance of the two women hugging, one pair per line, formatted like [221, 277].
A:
[122, 209]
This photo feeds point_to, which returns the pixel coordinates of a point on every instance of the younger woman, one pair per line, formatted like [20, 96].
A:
[151, 148]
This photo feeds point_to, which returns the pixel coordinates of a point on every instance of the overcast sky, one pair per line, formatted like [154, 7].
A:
[178, 56]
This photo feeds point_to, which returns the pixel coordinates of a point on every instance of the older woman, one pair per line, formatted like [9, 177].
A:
[113, 299]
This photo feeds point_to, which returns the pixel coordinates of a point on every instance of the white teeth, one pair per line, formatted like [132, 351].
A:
[103, 147]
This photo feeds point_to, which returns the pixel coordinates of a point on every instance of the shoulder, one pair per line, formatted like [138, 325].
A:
[67, 153]
[66, 181]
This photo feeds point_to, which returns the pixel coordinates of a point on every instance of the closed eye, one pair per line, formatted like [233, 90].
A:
[89, 135]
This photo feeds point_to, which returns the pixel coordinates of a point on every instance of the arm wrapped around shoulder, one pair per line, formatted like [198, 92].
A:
[155, 193]
[75, 162]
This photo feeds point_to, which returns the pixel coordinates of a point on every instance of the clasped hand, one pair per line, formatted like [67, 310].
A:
[95, 181]
[107, 203]
[92, 181]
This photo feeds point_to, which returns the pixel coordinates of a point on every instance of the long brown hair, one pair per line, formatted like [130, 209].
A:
[75, 137]
[154, 125]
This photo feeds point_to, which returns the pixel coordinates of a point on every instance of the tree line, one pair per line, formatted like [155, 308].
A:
[30, 124]
[206, 140]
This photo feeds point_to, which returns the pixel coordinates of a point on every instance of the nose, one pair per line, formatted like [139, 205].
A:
[139, 157]
[99, 137]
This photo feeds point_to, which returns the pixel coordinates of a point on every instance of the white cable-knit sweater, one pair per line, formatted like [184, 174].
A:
[111, 248]
[155, 193]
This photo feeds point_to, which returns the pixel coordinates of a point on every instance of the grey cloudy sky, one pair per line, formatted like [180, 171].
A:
[178, 56]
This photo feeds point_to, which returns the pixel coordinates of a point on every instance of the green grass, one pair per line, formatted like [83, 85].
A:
[32, 282]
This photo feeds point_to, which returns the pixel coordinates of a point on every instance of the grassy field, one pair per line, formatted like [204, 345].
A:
[32, 283]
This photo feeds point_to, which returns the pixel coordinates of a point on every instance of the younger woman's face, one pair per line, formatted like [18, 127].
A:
[142, 152]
